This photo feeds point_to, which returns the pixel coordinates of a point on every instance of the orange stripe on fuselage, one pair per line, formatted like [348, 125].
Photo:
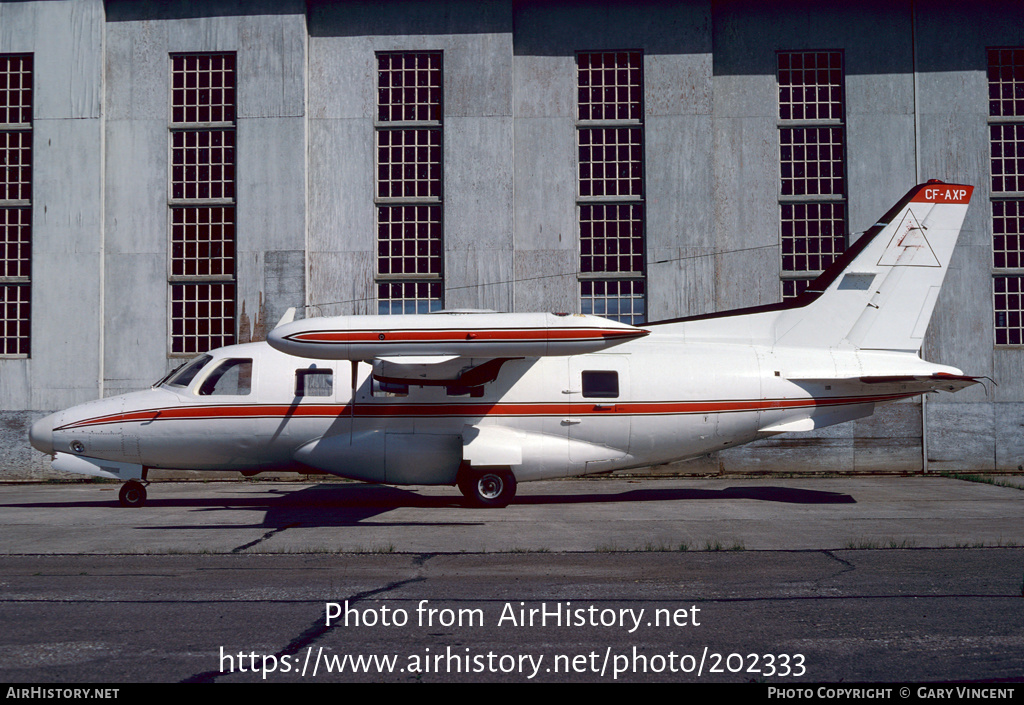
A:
[511, 409]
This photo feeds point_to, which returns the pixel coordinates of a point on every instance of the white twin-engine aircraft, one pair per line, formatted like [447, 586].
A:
[486, 400]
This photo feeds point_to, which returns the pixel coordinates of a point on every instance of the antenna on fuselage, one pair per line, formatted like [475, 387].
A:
[288, 317]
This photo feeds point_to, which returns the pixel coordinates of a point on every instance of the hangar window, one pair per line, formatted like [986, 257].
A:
[409, 190]
[1009, 306]
[408, 297]
[812, 164]
[1006, 161]
[201, 202]
[202, 316]
[619, 300]
[610, 194]
[314, 383]
[203, 241]
[15, 204]
[600, 384]
[409, 242]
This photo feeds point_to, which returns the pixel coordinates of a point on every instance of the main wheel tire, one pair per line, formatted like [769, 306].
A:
[490, 488]
[132, 494]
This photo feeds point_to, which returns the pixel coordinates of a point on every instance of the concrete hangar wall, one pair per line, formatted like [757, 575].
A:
[713, 205]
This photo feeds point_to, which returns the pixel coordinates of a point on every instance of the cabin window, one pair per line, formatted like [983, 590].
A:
[314, 383]
[600, 384]
[230, 378]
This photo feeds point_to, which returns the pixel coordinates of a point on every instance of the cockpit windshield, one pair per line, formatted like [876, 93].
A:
[183, 376]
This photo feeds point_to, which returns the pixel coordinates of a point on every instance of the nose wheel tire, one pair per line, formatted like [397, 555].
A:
[132, 494]
[488, 488]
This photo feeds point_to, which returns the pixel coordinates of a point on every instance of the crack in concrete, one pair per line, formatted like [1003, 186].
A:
[265, 536]
[318, 628]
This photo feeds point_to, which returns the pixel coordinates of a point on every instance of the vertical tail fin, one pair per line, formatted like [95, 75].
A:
[880, 294]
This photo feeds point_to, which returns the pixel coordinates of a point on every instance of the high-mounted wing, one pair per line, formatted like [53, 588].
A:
[476, 335]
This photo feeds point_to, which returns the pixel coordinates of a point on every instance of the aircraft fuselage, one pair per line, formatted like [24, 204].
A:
[649, 401]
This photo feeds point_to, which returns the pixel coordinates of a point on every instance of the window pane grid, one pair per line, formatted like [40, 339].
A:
[610, 85]
[15, 242]
[812, 161]
[611, 162]
[14, 319]
[409, 163]
[409, 87]
[202, 235]
[813, 235]
[620, 300]
[612, 238]
[812, 164]
[1007, 157]
[1009, 310]
[791, 288]
[202, 317]
[1008, 234]
[409, 240]
[203, 164]
[16, 90]
[15, 197]
[202, 88]
[408, 297]
[16, 166]
[811, 85]
[203, 241]
[1006, 82]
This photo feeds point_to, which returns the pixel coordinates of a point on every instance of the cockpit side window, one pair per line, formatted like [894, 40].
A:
[183, 375]
[601, 384]
[314, 383]
[231, 377]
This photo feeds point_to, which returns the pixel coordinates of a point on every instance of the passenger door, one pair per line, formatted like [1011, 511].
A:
[600, 415]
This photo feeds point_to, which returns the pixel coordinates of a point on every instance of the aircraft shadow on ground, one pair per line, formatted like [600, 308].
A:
[354, 504]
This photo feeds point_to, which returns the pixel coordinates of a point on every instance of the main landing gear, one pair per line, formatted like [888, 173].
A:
[487, 487]
[132, 494]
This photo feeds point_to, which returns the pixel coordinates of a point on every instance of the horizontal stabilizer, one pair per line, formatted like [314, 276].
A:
[883, 384]
[940, 382]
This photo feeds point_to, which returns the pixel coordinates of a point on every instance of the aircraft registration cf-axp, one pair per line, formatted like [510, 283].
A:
[485, 400]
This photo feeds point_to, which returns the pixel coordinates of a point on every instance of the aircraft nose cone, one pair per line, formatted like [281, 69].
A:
[41, 434]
